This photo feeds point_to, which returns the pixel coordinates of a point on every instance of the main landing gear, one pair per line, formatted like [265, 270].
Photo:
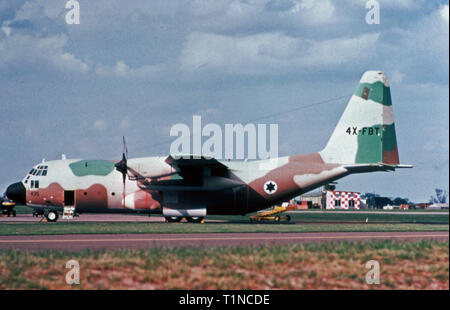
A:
[194, 219]
[177, 219]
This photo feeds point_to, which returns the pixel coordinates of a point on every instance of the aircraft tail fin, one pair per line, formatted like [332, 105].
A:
[366, 132]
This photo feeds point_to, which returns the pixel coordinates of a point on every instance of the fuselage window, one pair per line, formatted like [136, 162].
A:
[44, 172]
[36, 184]
[32, 184]
[39, 173]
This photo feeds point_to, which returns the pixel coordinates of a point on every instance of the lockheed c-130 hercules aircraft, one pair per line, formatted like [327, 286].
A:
[192, 187]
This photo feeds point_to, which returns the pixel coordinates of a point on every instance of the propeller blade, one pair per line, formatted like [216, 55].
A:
[125, 149]
[124, 191]
[122, 167]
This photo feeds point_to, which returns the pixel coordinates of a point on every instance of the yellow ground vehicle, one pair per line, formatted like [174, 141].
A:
[7, 208]
[273, 214]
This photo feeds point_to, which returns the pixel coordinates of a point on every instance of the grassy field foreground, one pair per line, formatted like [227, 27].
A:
[403, 265]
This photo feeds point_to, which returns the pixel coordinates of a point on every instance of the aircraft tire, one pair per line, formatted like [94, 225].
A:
[173, 219]
[194, 219]
[52, 216]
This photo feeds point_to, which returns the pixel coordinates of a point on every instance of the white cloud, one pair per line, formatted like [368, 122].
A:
[444, 12]
[315, 11]
[220, 51]
[18, 49]
[396, 77]
[40, 9]
[100, 124]
[125, 123]
[262, 53]
[6, 30]
[430, 36]
[396, 4]
[341, 50]
[205, 8]
[121, 69]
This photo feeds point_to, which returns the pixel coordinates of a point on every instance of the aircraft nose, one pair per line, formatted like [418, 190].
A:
[16, 192]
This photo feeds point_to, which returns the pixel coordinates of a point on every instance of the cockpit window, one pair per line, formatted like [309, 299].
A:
[39, 170]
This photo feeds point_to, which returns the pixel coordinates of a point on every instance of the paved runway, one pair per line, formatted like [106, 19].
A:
[87, 218]
[142, 241]
[391, 212]
[28, 218]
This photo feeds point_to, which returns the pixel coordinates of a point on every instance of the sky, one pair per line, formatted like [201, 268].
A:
[138, 67]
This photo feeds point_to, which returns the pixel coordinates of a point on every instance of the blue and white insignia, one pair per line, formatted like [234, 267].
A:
[270, 187]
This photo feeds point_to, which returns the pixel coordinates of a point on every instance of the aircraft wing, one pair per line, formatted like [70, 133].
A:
[193, 160]
[196, 173]
[196, 167]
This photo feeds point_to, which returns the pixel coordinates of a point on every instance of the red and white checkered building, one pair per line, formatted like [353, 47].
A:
[342, 200]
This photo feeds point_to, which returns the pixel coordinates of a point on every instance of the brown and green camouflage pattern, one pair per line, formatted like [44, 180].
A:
[363, 141]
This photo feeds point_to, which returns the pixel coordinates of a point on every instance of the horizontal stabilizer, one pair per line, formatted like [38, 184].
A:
[361, 168]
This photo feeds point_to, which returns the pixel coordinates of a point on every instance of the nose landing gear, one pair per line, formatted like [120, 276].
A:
[52, 216]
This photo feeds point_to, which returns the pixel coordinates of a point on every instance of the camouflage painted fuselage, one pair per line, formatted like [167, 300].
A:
[97, 186]
[363, 141]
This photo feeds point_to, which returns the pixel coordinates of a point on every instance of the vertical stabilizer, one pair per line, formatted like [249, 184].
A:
[366, 132]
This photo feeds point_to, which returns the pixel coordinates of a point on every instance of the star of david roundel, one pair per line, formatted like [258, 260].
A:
[270, 187]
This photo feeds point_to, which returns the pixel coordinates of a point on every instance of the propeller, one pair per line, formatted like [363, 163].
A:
[122, 167]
